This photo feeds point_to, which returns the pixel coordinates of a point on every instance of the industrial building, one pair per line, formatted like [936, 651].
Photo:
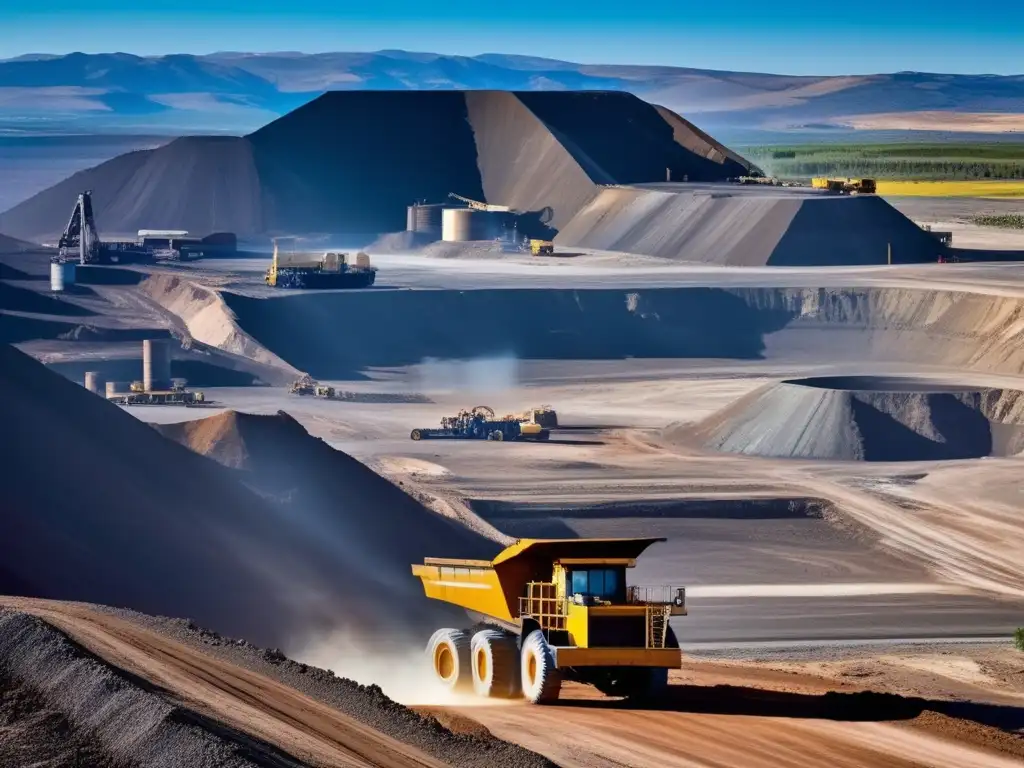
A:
[156, 387]
[81, 242]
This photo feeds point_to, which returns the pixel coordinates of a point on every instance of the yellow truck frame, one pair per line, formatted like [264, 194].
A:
[550, 610]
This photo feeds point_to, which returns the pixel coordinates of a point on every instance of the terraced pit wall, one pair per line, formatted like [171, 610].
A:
[743, 227]
[318, 333]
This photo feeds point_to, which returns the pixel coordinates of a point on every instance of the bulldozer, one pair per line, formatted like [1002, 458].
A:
[551, 610]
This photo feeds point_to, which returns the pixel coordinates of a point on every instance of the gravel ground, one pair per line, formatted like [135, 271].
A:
[34, 733]
[368, 704]
[61, 703]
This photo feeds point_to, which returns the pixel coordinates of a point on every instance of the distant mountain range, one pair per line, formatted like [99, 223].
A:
[238, 92]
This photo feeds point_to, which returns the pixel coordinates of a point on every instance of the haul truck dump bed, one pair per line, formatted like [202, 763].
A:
[554, 609]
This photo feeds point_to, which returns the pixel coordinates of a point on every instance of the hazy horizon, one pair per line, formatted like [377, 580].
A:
[796, 37]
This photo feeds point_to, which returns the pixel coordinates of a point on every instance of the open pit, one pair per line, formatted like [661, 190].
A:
[866, 418]
[271, 519]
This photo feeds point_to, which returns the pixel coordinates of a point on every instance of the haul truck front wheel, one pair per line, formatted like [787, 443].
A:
[495, 664]
[448, 653]
[540, 679]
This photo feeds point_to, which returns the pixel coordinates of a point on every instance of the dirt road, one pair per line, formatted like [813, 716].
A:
[744, 724]
[257, 705]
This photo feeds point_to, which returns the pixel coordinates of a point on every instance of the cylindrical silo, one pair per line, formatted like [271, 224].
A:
[156, 365]
[464, 224]
[94, 381]
[115, 388]
[62, 275]
[424, 218]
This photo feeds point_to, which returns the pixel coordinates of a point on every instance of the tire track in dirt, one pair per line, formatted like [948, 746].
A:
[245, 700]
[588, 731]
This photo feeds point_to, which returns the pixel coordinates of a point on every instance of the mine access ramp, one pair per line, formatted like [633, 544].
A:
[554, 610]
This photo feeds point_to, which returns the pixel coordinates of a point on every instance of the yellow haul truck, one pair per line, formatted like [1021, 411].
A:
[551, 610]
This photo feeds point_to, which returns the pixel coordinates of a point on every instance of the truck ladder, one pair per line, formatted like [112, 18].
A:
[657, 625]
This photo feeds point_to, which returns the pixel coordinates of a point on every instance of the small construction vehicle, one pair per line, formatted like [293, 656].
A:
[544, 415]
[551, 610]
[845, 186]
[290, 269]
[480, 423]
[308, 386]
[542, 248]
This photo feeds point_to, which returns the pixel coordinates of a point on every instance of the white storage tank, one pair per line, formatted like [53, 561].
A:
[62, 275]
[460, 225]
[156, 365]
[93, 381]
[424, 218]
[115, 388]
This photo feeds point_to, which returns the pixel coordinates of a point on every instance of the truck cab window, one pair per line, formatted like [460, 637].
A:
[603, 583]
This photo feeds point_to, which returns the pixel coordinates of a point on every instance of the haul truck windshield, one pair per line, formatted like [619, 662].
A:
[554, 610]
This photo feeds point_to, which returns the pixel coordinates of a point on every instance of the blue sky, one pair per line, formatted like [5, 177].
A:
[791, 36]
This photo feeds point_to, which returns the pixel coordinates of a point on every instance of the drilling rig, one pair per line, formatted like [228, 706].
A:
[80, 236]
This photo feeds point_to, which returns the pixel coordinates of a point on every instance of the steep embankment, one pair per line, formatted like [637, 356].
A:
[530, 324]
[208, 320]
[622, 140]
[865, 419]
[697, 141]
[525, 165]
[740, 226]
[201, 184]
[948, 328]
[351, 161]
[9, 245]
[120, 515]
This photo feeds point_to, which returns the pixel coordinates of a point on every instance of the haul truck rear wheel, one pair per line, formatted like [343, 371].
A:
[650, 684]
[448, 651]
[540, 680]
[495, 664]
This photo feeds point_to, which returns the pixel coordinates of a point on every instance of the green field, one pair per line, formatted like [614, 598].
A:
[932, 162]
[1008, 221]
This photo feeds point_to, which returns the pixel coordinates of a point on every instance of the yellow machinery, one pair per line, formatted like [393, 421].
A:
[542, 247]
[554, 610]
[544, 416]
[845, 186]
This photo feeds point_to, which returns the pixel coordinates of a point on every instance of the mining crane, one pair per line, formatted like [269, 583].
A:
[477, 205]
[550, 610]
[80, 236]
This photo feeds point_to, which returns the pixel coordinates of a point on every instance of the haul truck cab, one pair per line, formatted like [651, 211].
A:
[554, 610]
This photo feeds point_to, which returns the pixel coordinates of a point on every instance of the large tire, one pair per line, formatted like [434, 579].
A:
[495, 660]
[541, 681]
[448, 655]
[649, 685]
[416, 435]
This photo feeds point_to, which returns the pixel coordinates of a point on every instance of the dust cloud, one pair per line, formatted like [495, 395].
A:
[398, 665]
[481, 375]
